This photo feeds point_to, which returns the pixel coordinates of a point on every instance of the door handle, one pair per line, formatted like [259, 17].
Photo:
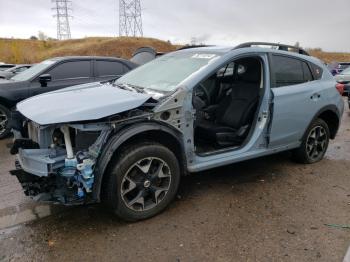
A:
[315, 96]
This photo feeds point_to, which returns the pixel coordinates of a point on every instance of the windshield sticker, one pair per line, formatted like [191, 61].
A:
[203, 56]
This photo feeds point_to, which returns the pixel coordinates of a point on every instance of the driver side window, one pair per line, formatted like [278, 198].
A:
[211, 91]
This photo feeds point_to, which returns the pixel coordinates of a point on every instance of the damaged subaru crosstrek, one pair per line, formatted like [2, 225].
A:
[128, 142]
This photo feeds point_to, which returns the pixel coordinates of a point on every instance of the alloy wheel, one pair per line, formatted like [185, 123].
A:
[316, 143]
[145, 184]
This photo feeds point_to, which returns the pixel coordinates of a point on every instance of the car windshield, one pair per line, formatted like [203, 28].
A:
[34, 70]
[165, 73]
[346, 71]
[343, 66]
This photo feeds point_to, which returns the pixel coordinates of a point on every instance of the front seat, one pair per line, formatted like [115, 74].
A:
[235, 113]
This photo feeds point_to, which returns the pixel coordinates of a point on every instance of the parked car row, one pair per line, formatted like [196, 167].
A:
[128, 141]
[12, 71]
[344, 78]
[4, 66]
[54, 74]
[337, 67]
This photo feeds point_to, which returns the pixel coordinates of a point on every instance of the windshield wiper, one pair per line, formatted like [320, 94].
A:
[131, 88]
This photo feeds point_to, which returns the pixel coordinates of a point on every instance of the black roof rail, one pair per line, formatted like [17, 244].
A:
[279, 47]
[192, 46]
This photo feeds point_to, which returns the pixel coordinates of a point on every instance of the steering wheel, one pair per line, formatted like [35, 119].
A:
[203, 94]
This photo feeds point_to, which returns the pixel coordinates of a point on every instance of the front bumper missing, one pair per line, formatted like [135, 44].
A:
[47, 189]
[41, 162]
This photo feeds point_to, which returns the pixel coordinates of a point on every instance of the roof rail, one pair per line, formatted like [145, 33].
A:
[279, 47]
[191, 46]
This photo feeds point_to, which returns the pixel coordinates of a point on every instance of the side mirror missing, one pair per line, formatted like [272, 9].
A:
[44, 79]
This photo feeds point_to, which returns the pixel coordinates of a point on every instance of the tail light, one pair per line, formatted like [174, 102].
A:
[340, 88]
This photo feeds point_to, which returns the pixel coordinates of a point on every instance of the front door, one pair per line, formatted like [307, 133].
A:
[63, 75]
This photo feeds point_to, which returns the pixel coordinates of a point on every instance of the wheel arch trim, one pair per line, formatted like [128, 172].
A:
[119, 138]
[328, 108]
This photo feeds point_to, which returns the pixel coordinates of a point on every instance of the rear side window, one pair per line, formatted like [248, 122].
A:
[109, 68]
[307, 73]
[290, 71]
[69, 70]
[316, 71]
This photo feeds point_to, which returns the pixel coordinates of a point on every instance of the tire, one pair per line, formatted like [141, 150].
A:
[314, 144]
[4, 117]
[133, 177]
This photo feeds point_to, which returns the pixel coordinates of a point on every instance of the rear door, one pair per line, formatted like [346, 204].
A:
[106, 70]
[296, 99]
[65, 74]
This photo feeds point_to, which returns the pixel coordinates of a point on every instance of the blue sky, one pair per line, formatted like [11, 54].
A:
[227, 22]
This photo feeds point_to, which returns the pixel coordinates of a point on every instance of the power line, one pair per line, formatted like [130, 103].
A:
[130, 19]
[62, 10]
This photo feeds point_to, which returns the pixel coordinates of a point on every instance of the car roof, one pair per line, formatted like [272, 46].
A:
[61, 58]
[222, 50]
[19, 65]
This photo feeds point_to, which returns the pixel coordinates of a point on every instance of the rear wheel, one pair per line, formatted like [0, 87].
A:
[143, 181]
[4, 118]
[314, 144]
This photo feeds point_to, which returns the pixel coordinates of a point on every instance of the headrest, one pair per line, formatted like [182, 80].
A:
[252, 73]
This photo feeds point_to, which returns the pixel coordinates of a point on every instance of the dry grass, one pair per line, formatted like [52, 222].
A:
[329, 57]
[33, 51]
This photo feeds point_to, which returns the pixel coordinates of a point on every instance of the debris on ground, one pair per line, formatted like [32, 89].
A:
[338, 226]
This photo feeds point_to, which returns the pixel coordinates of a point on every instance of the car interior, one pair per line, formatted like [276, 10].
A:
[226, 105]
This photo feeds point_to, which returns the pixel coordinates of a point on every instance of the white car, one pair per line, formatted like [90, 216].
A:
[344, 78]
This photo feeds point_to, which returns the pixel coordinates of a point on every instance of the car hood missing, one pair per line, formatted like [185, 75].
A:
[80, 103]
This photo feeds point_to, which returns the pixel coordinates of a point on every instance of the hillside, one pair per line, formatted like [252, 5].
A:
[33, 51]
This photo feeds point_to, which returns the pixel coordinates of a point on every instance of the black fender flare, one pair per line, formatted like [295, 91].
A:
[331, 108]
[6, 103]
[121, 136]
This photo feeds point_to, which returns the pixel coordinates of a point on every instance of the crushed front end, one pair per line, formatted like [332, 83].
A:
[56, 163]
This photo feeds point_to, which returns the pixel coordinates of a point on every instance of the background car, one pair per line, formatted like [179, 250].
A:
[338, 67]
[344, 78]
[6, 66]
[57, 73]
[10, 72]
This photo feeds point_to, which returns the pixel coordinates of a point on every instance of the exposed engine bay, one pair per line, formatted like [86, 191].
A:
[57, 163]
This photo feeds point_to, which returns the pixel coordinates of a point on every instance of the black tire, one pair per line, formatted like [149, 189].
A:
[304, 153]
[119, 180]
[4, 129]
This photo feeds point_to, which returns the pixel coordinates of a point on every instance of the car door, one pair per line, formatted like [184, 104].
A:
[296, 99]
[64, 74]
[106, 70]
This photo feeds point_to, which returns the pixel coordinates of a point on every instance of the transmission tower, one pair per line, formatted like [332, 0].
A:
[62, 10]
[130, 19]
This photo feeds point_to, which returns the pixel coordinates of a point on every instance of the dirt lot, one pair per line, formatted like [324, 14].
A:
[269, 209]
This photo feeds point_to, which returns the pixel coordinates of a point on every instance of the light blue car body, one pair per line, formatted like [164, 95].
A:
[284, 115]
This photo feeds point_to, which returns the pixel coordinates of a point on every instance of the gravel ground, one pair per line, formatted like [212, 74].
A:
[268, 209]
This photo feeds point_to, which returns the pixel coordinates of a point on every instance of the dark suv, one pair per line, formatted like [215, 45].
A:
[57, 73]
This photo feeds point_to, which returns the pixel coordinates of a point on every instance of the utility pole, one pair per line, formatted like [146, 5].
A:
[62, 9]
[130, 19]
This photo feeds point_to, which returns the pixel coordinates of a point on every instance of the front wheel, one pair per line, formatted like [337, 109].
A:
[314, 144]
[143, 181]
